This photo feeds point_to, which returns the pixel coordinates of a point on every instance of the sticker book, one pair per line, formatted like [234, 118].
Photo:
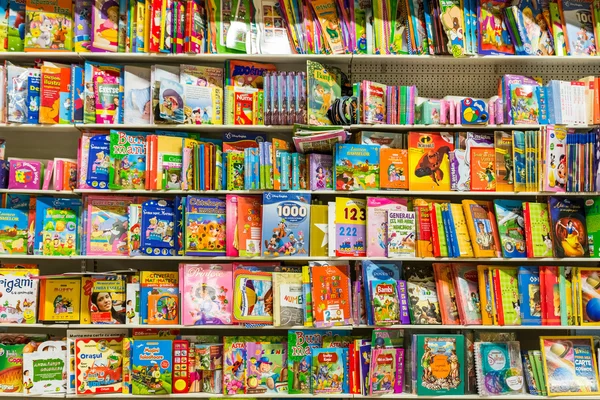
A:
[159, 298]
[205, 292]
[107, 222]
[19, 295]
[356, 167]
[151, 367]
[204, 226]
[98, 365]
[285, 220]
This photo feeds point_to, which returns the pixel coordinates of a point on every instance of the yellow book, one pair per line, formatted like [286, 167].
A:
[424, 245]
[288, 308]
[188, 165]
[147, 22]
[482, 228]
[574, 296]
[141, 41]
[462, 232]
[318, 230]
[168, 162]
[59, 300]
[485, 295]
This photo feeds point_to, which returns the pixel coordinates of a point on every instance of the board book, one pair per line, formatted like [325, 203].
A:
[151, 358]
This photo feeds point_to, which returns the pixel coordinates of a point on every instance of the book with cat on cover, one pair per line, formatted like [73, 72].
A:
[506, 293]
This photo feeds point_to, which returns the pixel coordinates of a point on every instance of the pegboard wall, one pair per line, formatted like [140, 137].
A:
[479, 80]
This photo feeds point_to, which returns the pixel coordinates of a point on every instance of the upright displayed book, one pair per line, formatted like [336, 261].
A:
[568, 224]
[440, 365]
[428, 163]
[331, 295]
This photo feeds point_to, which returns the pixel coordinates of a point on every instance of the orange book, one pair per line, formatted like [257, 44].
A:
[54, 93]
[331, 295]
[394, 168]
[483, 169]
[483, 230]
[446, 293]
[249, 225]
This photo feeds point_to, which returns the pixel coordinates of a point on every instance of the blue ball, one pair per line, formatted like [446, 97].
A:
[593, 309]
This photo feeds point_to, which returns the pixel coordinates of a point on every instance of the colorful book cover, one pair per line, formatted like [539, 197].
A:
[319, 234]
[393, 168]
[537, 230]
[569, 364]
[331, 295]
[252, 297]
[482, 228]
[107, 220]
[151, 366]
[555, 162]
[524, 104]
[499, 358]
[107, 89]
[428, 164]
[249, 225]
[299, 361]
[49, 26]
[285, 224]
[98, 162]
[440, 365]
[98, 367]
[567, 219]
[504, 162]
[320, 171]
[377, 223]
[288, 303]
[460, 230]
[592, 222]
[14, 227]
[324, 84]
[386, 308]
[105, 26]
[511, 228]
[11, 361]
[446, 290]
[327, 364]
[382, 371]
[159, 298]
[424, 306]
[356, 167]
[56, 226]
[127, 160]
[578, 24]
[466, 283]
[506, 293]
[19, 293]
[377, 271]
[401, 234]
[350, 225]
[266, 363]
[530, 295]
[373, 96]
[25, 174]
[103, 300]
[483, 169]
[82, 25]
[587, 295]
[171, 101]
[55, 96]
[204, 226]
[61, 299]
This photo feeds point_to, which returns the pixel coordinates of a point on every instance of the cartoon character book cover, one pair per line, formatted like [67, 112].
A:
[49, 26]
[350, 227]
[105, 26]
[555, 165]
[59, 235]
[356, 166]
[61, 300]
[383, 371]
[329, 371]
[494, 38]
[386, 308]
[524, 104]
[107, 225]
[252, 297]
[266, 368]
[151, 367]
[98, 162]
[567, 217]
[440, 365]
[324, 84]
[466, 283]
[99, 365]
[511, 228]
[205, 226]
[320, 171]
[18, 291]
[14, 226]
[127, 167]
[578, 23]
[158, 228]
[206, 293]
[171, 101]
[159, 297]
[285, 224]
[428, 162]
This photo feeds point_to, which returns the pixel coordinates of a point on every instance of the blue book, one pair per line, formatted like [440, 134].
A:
[453, 249]
[77, 93]
[285, 223]
[33, 96]
[56, 220]
[511, 228]
[379, 271]
[529, 295]
[14, 225]
[158, 227]
[286, 166]
[152, 359]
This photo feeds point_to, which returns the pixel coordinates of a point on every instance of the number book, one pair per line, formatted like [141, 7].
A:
[356, 167]
[530, 306]
[19, 295]
[537, 230]
[252, 297]
[204, 226]
[466, 284]
[288, 301]
[385, 301]
[324, 85]
[568, 225]
[99, 366]
[14, 226]
[102, 300]
[329, 371]
[206, 293]
[511, 228]
[401, 234]
[394, 168]
[377, 224]
[499, 360]
[482, 228]
[265, 368]
[428, 164]
[350, 227]
[320, 171]
[569, 365]
[61, 300]
[127, 168]
[578, 24]
[159, 298]
[424, 306]
[151, 367]
[331, 295]
[107, 225]
[285, 224]
[440, 365]
[48, 25]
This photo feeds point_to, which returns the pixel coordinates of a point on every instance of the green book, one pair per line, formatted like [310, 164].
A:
[127, 168]
[506, 293]
[441, 230]
[537, 228]
[440, 365]
[235, 170]
[592, 222]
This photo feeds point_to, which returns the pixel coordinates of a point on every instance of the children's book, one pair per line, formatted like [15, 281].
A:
[102, 300]
[373, 96]
[377, 271]
[252, 297]
[97, 162]
[524, 104]
[107, 220]
[105, 26]
[401, 234]
[154, 359]
[587, 294]
[383, 371]
[511, 228]
[127, 160]
[506, 294]
[393, 168]
[14, 227]
[137, 98]
[285, 220]
[11, 361]
[592, 219]
[25, 173]
[99, 365]
[320, 173]
[204, 226]
[326, 365]
[19, 293]
[288, 301]
[440, 365]
[568, 225]
[300, 345]
[159, 298]
[203, 93]
[356, 167]
[385, 301]
[56, 226]
[530, 306]
[265, 365]
[504, 161]
[482, 228]
[249, 225]
[350, 226]
[482, 169]
[537, 230]
[424, 306]
[331, 295]
[578, 25]
[324, 85]
[466, 284]
[446, 291]
[495, 360]
[377, 223]
[555, 163]
[45, 369]
[429, 168]
[206, 293]
[158, 223]
[61, 299]
[569, 364]
[171, 102]
[48, 25]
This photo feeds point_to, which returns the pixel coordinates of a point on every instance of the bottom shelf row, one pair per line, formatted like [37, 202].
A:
[303, 363]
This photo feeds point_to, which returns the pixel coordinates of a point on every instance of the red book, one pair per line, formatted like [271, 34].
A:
[243, 107]
[434, 231]
[498, 298]
[155, 19]
[181, 381]
[550, 295]
[528, 237]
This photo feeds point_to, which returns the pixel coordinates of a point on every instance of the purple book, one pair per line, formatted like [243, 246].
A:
[82, 25]
[320, 171]
[508, 80]
[399, 383]
[403, 297]
[365, 364]
[25, 174]
[4, 170]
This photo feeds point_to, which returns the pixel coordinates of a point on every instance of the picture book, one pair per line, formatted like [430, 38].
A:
[48, 26]
[506, 294]
[356, 167]
[300, 345]
[493, 360]
[206, 293]
[19, 293]
[320, 172]
[482, 228]
[105, 26]
[567, 221]
[11, 362]
[457, 224]
[377, 223]
[324, 85]
[151, 367]
[482, 169]
[530, 306]
[401, 234]
[511, 228]
[132, 300]
[373, 96]
[393, 168]
[555, 163]
[127, 160]
[550, 294]
[587, 295]
[429, 168]
[107, 220]
[331, 295]
[56, 226]
[424, 306]
[350, 226]
[466, 284]
[385, 301]
[98, 367]
[377, 271]
[327, 364]
[266, 363]
[440, 365]
[250, 224]
[288, 301]
[285, 220]
[98, 162]
[524, 104]
[158, 223]
[102, 300]
[45, 369]
[204, 226]
[171, 102]
[137, 98]
[203, 93]
[14, 228]
[159, 298]
[252, 297]
[504, 161]
[61, 300]
[382, 371]
[25, 174]
[537, 230]
[578, 24]
[569, 365]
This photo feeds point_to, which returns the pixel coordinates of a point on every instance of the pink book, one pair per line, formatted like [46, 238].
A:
[25, 174]
[107, 221]
[48, 176]
[186, 164]
[377, 210]
[106, 88]
[207, 293]
[231, 226]
[58, 174]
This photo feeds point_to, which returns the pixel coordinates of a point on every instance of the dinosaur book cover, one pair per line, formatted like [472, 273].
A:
[428, 163]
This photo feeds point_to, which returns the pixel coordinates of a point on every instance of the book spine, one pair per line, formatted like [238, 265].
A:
[529, 378]
[496, 282]
[307, 292]
[403, 299]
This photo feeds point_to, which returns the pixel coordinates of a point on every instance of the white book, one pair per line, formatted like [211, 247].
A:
[401, 234]
[331, 228]
[138, 98]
